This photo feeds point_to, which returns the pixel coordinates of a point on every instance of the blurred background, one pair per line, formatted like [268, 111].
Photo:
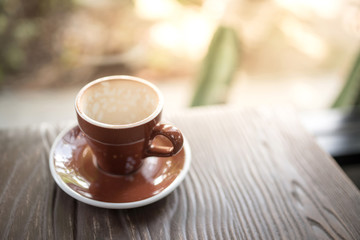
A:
[199, 52]
[302, 53]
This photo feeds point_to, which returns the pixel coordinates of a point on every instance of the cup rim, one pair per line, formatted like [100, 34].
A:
[153, 115]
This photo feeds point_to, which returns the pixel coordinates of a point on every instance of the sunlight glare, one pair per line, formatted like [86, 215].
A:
[156, 9]
[187, 35]
[323, 8]
[303, 39]
[165, 35]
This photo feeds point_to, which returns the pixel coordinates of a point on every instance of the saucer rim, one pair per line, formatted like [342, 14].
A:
[110, 205]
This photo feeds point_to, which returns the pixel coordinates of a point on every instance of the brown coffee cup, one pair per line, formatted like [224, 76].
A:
[120, 117]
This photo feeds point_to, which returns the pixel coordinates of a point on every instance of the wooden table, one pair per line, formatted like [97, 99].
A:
[255, 174]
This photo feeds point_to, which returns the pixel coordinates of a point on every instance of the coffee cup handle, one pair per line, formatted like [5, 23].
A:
[171, 133]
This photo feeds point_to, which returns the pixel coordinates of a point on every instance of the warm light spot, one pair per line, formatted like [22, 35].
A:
[322, 8]
[196, 32]
[303, 39]
[215, 8]
[156, 9]
[187, 35]
[165, 35]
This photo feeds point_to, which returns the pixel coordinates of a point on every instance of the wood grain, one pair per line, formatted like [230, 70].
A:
[255, 174]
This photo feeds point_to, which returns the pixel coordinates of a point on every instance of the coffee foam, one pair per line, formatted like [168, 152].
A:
[118, 102]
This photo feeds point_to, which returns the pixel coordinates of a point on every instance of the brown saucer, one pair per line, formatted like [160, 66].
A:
[74, 168]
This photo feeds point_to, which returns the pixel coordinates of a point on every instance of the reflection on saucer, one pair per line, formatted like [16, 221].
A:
[74, 166]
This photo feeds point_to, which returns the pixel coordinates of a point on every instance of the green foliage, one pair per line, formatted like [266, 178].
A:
[3, 23]
[218, 68]
[25, 31]
[350, 94]
[15, 57]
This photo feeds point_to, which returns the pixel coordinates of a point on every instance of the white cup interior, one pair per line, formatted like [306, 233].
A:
[118, 101]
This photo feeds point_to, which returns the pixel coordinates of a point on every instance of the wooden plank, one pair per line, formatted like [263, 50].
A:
[255, 174]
